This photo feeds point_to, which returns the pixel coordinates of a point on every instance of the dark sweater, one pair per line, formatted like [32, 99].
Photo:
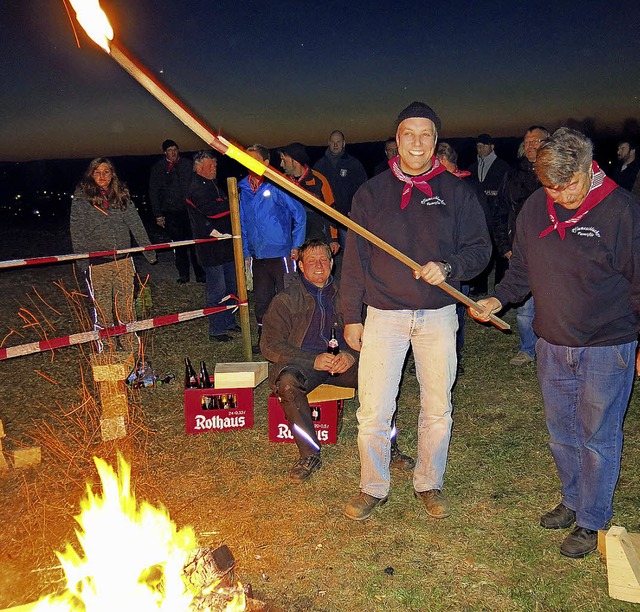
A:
[587, 286]
[345, 174]
[167, 189]
[207, 201]
[450, 227]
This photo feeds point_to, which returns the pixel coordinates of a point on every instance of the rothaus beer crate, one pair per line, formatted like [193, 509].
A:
[327, 406]
[213, 409]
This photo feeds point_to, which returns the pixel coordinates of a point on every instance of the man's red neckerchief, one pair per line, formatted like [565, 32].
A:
[421, 181]
[601, 187]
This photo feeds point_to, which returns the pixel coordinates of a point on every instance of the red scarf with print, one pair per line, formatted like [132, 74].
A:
[421, 181]
[601, 187]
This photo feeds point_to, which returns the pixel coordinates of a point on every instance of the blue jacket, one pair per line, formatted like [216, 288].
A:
[266, 218]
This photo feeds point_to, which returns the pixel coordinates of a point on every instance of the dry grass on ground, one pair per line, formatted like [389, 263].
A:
[291, 542]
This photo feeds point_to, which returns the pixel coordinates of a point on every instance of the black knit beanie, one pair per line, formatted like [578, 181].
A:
[419, 109]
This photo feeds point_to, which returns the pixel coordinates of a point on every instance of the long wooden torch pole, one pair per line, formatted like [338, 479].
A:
[160, 92]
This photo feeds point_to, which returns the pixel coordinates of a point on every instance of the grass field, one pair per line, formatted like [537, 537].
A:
[291, 542]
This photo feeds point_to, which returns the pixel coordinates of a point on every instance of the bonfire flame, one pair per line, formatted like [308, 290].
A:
[133, 554]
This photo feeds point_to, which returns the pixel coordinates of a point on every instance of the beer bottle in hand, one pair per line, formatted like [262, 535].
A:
[190, 378]
[333, 347]
[205, 381]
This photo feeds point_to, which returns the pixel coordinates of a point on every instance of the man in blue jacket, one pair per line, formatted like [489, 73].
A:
[273, 227]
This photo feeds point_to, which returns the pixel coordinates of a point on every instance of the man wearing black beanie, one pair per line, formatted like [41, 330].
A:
[168, 183]
[433, 217]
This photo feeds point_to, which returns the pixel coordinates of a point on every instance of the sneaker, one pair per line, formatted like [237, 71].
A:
[361, 506]
[521, 359]
[220, 338]
[560, 517]
[579, 543]
[400, 460]
[305, 467]
[435, 502]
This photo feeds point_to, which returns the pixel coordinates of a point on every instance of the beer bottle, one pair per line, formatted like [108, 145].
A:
[190, 378]
[333, 347]
[205, 381]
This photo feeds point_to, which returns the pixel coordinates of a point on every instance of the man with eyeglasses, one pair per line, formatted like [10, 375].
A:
[577, 250]
[519, 183]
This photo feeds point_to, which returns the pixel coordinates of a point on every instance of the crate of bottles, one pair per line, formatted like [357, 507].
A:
[217, 409]
[209, 409]
[326, 404]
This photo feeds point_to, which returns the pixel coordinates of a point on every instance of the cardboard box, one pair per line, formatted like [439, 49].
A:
[216, 409]
[241, 374]
[327, 423]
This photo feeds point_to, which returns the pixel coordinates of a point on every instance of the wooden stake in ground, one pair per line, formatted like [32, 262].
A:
[238, 256]
[3, 462]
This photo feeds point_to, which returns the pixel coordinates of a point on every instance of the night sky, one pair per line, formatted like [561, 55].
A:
[283, 71]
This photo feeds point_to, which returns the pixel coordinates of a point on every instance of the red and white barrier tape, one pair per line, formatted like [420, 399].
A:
[32, 261]
[116, 330]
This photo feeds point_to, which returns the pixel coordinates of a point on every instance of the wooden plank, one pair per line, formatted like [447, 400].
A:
[326, 393]
[623, 565]
[113, 368]
[113, 428]
[26, 457]
[240, 375]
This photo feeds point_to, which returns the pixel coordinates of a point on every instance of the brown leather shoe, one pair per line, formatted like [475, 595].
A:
[361, 506]
[435, 502]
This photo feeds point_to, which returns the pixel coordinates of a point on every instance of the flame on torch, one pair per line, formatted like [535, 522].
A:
[94, 20]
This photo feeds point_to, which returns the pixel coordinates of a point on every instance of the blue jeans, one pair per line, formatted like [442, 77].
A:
[220, 281]
[385, 342]
[524, 319]
[586, 393]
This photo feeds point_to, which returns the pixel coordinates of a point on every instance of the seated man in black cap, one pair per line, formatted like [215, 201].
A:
[295, 336]
[168, 183]
[294, 161]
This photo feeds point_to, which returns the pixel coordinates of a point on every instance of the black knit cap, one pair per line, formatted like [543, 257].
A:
[484, 139]
[419, 109]
[169, 143]
[296, 151]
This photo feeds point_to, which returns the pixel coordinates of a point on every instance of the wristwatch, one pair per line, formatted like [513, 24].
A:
[447, 268]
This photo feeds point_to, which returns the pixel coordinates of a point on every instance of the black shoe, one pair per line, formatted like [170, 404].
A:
[235, 328]
[220, 338]
[255, 349]
[201, 279]
[460, 369]
[183, 280]
[305, 467]
[560, 517]
[579, 543]
[400, 460]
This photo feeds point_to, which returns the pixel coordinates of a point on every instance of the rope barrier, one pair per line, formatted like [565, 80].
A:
[32, 261]
[117, 330]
